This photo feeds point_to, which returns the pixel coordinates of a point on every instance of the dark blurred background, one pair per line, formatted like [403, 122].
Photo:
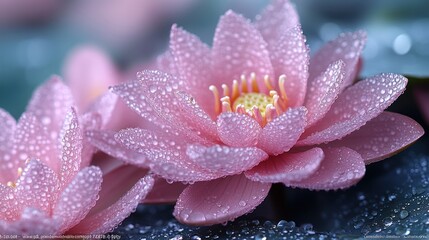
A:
[37, 36]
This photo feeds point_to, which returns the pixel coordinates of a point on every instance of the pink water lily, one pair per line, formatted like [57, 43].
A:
[47, 186]
[254, 110]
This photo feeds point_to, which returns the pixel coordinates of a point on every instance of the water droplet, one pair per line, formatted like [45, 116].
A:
[387, 221]
[403, 214]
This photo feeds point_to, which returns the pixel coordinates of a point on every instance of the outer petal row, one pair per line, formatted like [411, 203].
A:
[227, 199]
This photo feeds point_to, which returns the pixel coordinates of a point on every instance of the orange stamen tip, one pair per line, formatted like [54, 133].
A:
[268, 83]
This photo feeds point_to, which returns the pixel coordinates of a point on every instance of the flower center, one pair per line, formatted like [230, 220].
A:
[250, 100]
[246, 98]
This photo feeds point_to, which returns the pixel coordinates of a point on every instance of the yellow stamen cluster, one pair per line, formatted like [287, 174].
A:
[245, 97]
[19, 173]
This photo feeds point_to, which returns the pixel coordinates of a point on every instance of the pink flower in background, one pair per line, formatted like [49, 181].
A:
[89, 72]
[127, 20]
[47, 186]
[254, 110]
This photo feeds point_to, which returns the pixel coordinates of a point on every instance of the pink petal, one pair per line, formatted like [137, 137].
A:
[78, 197]
[347, 47]
[164, 192]
[50, 103]
[110, 217]
[323, 91]
[382, 137]
[31, 141]
[165, 153]
[165, 63]
[37, 187]
[422, 97]
[185, 49]
[105, 141]
[219, 201]
[70, 148]
[354, 107]
[115, 185]
[32, 222]
[291, 56]
[104, 105]
[196, 117]
[8, 210]
[238, 130]
[279, 135]
[225, 160]
[287, 167]
[89, 121]
[341, 168]
[154, 98]
[276, 18]
[7, 128]
[89, 72]
[132, 93]
[238, 48]
[160, 91]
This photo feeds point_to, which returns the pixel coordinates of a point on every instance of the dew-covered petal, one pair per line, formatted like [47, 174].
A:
[346, 47]
[105, 141]
[37, 187]
[323, 91]
[104, 106]
[50, 103]
[89, 72]
[275, 19]
[31, 141]
[287, 167]
[341, 168]
[164, 192]
[78, 197]
[382, 137]
[165, 63]
[196, 117]
[192, 60]
[32, 222]
[166, 154]
[238, 130]
[160, 92]
[107, 219]
[7, 128]
[219, 201]
[238, 48]
[70, 147]
[291, 56]
[281, 134]
[8, 209]
[90, 121]
[225, 160]
[132, 93]
[116, 184]
[355, 106]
